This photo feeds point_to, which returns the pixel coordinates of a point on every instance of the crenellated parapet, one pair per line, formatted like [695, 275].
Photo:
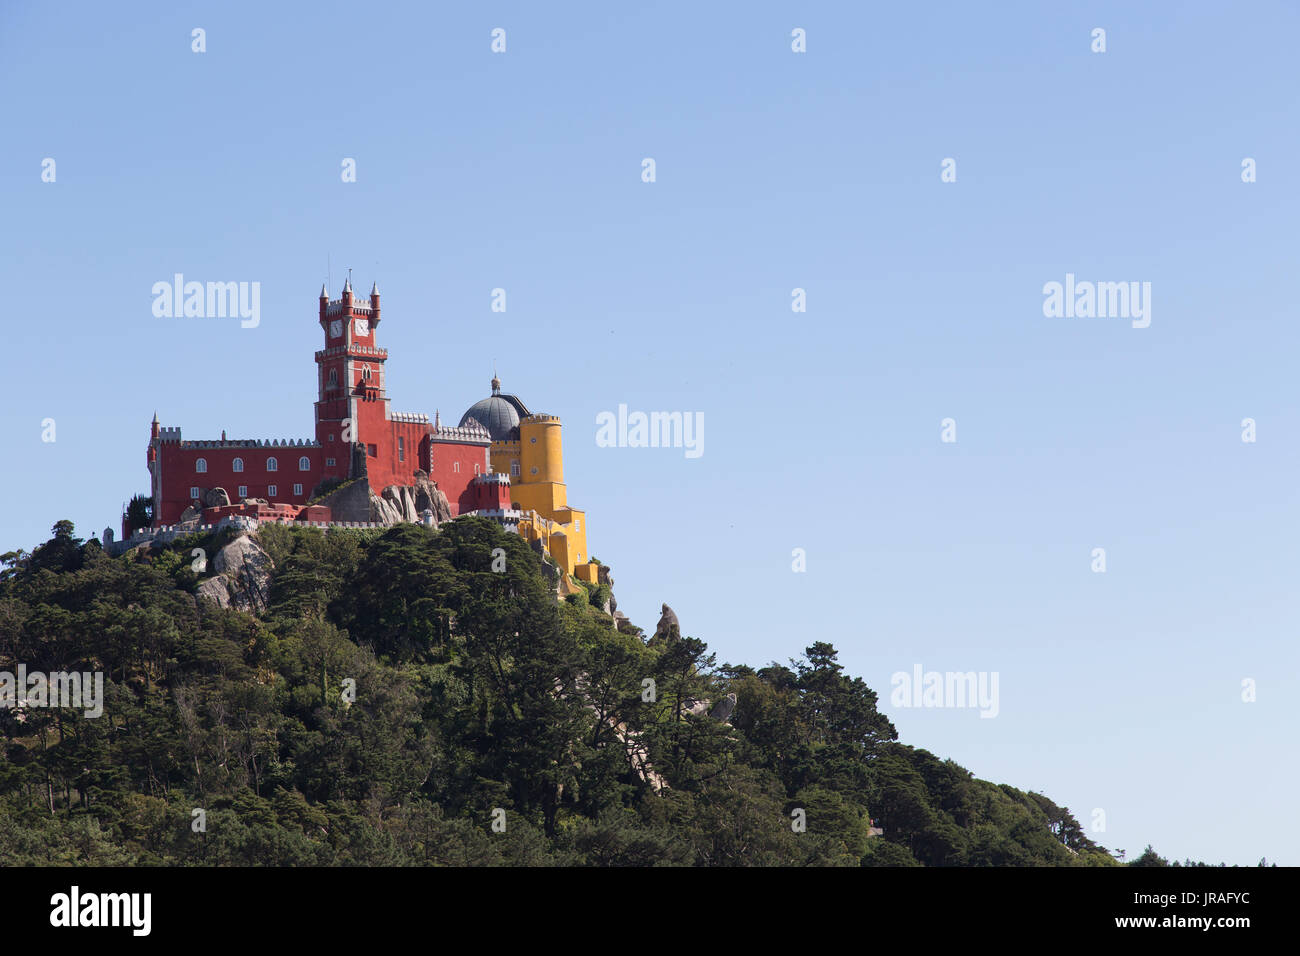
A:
[245, 442]
[472, 433]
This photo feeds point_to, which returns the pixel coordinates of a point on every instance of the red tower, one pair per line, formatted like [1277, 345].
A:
[351, 399]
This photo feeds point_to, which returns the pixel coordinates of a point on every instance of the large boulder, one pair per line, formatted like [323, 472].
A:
[383, 511]
[243, 576]
[668, 629]
[724, 708]
[428, 497]
[216, 590]
[216, 498]
[408, 502]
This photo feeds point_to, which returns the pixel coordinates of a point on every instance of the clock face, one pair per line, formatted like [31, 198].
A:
[363, 326]
[336, 329]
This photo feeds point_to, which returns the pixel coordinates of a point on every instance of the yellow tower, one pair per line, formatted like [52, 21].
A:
[530, 450]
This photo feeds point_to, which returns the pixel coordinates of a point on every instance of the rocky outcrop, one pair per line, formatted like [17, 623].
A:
[604, 577]
[668, 629]
[190, 516]
[429, 498]
[348, 502]
[243, 576]
[408, 502]
[724, 709]
[695, 707]
[216, 498]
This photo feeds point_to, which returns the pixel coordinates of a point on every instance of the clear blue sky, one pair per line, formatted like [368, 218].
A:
[1119, 691]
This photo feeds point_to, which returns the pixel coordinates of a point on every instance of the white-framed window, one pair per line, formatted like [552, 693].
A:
[272, 465]
[304, 463]
[272, 491]
[237, 465]
[297, 491]
[200, 465]
[401, 448]
[194, 493]
[243, 491]
[577, 526]
[455, 467]
[514, 469]
[476, 468]
[329, 462]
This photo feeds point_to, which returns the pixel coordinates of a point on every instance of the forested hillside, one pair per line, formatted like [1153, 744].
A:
[475, 692]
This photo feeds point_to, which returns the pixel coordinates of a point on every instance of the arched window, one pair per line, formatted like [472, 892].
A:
[304, 464]
[237, 465]
[476, 468]
[200, 465]
[272, 465]
[455, 467]
[334, 376]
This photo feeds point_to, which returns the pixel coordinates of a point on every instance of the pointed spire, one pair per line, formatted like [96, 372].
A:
[374, 289]
[324, 293]
[155, 417]
[496, 382]
[347, 285]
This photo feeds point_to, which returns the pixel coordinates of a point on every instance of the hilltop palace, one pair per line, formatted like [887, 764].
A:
[368, 464]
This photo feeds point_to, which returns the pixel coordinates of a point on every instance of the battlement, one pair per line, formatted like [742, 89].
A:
[361, 350]
[336, 307]
[169, 434]
[412, 417]
[492, 477]
[246, 442]
[540, 419]
[472, 433]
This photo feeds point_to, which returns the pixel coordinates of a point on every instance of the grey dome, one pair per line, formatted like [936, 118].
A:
[498, 413]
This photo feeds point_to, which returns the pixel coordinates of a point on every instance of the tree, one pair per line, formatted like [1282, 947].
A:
[139, 514]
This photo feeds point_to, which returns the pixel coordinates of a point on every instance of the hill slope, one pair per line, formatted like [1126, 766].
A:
[395, 700]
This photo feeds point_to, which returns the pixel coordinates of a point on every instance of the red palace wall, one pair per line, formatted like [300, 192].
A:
[178, 475]
[453, 467]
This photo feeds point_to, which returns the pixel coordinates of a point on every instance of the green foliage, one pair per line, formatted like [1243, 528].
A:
[397, 691]
[139, 513]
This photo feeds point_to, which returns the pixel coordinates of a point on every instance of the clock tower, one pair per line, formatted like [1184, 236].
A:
[351, 398]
